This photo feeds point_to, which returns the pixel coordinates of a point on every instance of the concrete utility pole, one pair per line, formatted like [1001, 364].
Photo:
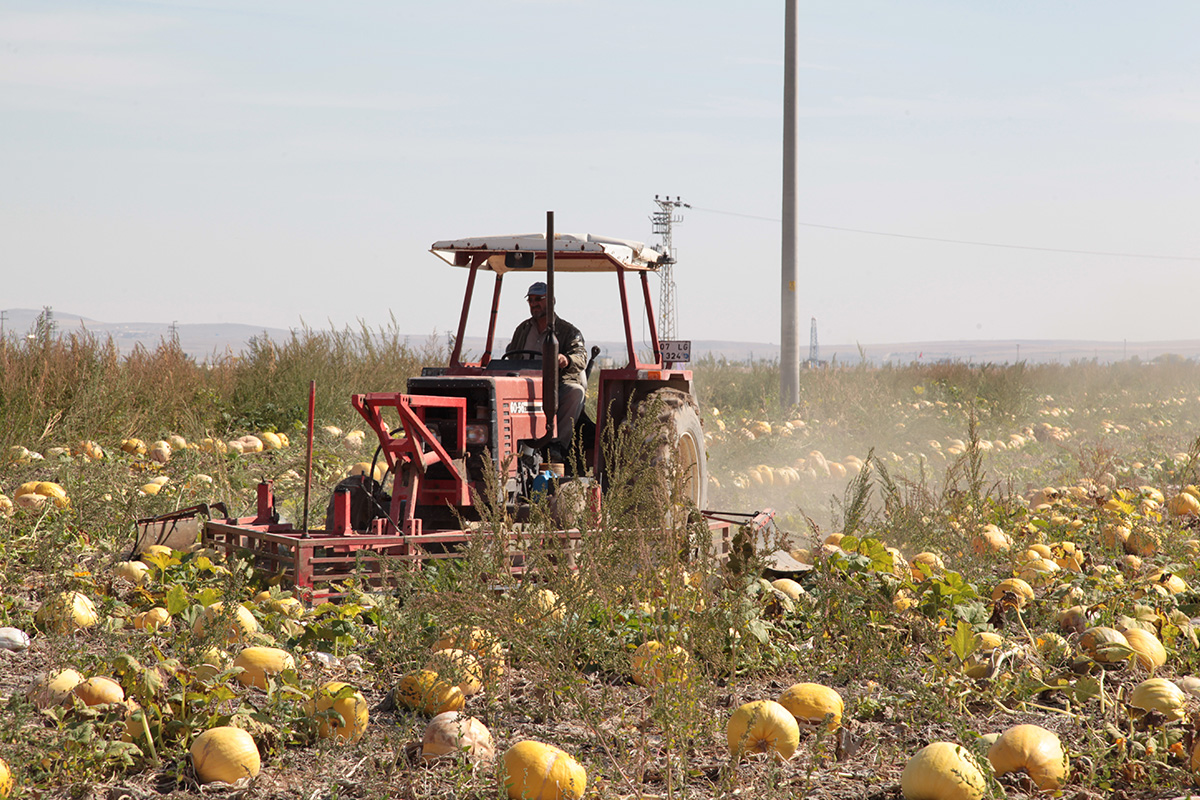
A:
[789, 357]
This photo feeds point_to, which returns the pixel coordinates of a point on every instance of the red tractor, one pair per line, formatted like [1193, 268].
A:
[439, 439]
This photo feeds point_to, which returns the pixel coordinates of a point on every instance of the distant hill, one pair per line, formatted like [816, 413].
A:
[204, 341]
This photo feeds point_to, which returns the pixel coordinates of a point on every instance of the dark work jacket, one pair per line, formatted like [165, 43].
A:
[570, 344]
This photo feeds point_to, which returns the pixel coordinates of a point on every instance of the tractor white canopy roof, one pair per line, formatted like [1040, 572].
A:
[572, 252]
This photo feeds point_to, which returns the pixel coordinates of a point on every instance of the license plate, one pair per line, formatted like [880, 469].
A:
[679, 350]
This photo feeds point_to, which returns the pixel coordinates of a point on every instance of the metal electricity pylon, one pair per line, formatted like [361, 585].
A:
[663, 219]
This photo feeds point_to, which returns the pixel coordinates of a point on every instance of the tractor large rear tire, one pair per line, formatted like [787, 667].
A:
[679, 442]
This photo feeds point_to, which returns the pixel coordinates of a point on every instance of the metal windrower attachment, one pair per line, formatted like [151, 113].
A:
[550, 344]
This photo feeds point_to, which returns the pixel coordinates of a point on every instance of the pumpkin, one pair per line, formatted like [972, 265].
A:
[1034, 750]
[451, 732]
[654, 664]
[427, 693]
[1183, 504]
[931, 560]
[990, 539]
[479, 643]
[459, 666]
[133, 446]
[39, 492]
[6, 779]
[1159, 694]
[1073, 619]
[900, 566]
[547, 604]
[288, 606]
[89, 449]
[136, 572]
[13, 639]
[348, 703]
[789, 587]
[99, 690]
[1014, 586]
[160, 451]
[53, 689]
[536, 771]
[232, 626]
[212, 662]
[979, 664]
[260, 663]
[1149, 650]
[1142, 542]
[1036, 551]
[1170, 583]
[1040, 572]
[942, 771]
[1105, 645]
[813, 704]
[225, 754]
[153, 619]
[763, 726]
[67, 611]
[1114, 536]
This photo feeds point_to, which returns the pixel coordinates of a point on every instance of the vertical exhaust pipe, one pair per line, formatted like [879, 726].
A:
[550, 344]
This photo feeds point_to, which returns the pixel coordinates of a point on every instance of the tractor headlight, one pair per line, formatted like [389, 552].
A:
[477, 433]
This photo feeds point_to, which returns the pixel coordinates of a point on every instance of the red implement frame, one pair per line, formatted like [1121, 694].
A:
[315, 563]
[416, 451]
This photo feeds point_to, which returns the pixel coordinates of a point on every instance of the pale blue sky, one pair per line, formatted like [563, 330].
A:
[268, 161]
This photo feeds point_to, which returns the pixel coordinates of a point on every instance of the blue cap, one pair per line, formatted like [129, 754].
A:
[536, 290]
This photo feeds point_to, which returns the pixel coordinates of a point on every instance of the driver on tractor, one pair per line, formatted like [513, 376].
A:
[572, 361]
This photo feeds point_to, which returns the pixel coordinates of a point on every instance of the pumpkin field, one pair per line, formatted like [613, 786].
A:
[1000, 596]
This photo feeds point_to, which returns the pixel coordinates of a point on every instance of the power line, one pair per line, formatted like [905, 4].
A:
[957, 241]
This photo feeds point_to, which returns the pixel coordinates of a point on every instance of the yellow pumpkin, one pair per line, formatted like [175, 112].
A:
[1159, 694]
[225, 754]
[427, 693]
[348, 703]
[1142, 542]
[89, 449]
[452, 733]
[813, 704]
[763, 726]
[547, 604]
[931, 560]
[1105, 645]
[1033, 750]
[536, 771]
[458, 666]
[654, 664]
[1114, 536]
[1184, 504]
[213, 661]
[1150, 651]
[483, 645]
[99, 690]
[789, 587]
[67, 611]
[990, 539]
[978, 665]
[1016, 587]
[260, 663]
[136, 572]
[231, 626]
[153, 619]
[942, 771]
[54, 689]
[6, 779]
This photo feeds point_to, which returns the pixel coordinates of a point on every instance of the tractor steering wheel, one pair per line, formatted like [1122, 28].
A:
[513, 355]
